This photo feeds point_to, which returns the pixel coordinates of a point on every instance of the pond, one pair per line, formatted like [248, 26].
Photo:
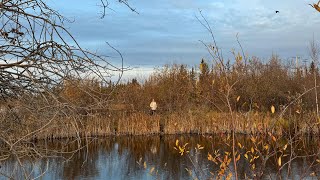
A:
[155, 157]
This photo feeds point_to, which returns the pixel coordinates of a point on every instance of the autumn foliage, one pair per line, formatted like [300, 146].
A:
[256, 87]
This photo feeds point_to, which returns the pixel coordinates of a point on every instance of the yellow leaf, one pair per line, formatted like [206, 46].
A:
[285, 147]
[238, 98]
[279, 161]
[246, 156]
[145, 165]
[212, 82]
[210, 158]
[266, 147]
[229, 176]
[201, 67]
[318, 160]
[199, 146]
[273, 109]
[238, 158]
[274, 139]
[151, 170]
[177, 142]
[252, 150]
[222, 165]
[239, 145]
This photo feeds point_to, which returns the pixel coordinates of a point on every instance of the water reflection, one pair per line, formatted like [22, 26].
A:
[153, 157]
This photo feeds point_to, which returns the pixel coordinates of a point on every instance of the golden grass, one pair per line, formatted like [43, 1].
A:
[139, 124]
[197, 121]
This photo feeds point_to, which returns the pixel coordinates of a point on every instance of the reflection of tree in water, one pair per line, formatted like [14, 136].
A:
[83, 165]
[121, 154]
[117, 157]
[134, 149]
[158, 153]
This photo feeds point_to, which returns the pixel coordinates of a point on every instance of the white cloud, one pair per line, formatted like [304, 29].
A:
[166, 30]
[139, 73]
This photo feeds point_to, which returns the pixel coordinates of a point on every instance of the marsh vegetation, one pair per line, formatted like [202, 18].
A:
[252, 118]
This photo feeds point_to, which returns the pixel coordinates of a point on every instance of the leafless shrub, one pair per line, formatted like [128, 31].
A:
[38, 56]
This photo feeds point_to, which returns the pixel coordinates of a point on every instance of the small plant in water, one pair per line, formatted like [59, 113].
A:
[182, 149]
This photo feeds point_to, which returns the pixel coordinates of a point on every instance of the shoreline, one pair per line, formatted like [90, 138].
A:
[160, 135]
[210, 123]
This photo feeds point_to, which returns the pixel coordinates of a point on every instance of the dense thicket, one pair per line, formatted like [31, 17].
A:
[256, 86]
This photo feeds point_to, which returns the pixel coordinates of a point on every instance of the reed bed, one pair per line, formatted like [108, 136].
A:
[139, 124]
[190, 122]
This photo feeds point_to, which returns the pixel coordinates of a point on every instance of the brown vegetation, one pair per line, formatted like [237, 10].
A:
[193, 100]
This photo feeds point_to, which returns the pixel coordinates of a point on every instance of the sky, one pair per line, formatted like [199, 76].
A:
[167, 31]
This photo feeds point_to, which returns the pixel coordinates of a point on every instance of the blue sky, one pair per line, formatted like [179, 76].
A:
[167, 31]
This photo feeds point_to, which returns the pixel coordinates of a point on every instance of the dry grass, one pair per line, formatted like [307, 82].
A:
[196, 121]
[139, 124]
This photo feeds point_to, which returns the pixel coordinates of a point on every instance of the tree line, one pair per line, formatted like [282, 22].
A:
[257, 86]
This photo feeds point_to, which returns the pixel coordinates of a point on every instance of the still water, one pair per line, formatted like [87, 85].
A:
[154, 157]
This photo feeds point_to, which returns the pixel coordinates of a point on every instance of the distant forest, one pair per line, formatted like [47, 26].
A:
[256, 85]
